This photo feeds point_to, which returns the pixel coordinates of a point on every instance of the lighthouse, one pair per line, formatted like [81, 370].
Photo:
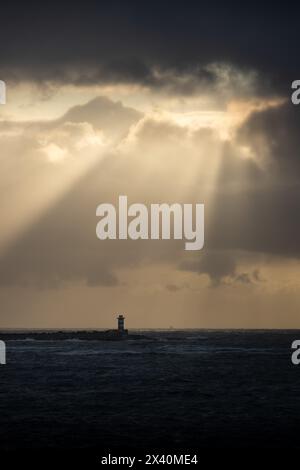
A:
[118, 333]
[121, 320]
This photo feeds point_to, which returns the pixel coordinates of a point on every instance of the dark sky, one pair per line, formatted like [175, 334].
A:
[122, 41]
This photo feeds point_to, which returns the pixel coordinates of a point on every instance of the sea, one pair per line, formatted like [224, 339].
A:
[174, 389]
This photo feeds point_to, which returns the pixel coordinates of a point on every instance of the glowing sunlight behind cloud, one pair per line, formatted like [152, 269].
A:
[66, 148]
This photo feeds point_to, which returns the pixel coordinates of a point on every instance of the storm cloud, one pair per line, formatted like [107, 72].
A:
[148, 43]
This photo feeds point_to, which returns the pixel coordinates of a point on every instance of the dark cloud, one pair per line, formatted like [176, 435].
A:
[111, 117]
[261, 220]
[274, 137]
[217, 265]
[172, 287]
[221, 267]
[257, 201]
[126, 41]
[243, 278]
